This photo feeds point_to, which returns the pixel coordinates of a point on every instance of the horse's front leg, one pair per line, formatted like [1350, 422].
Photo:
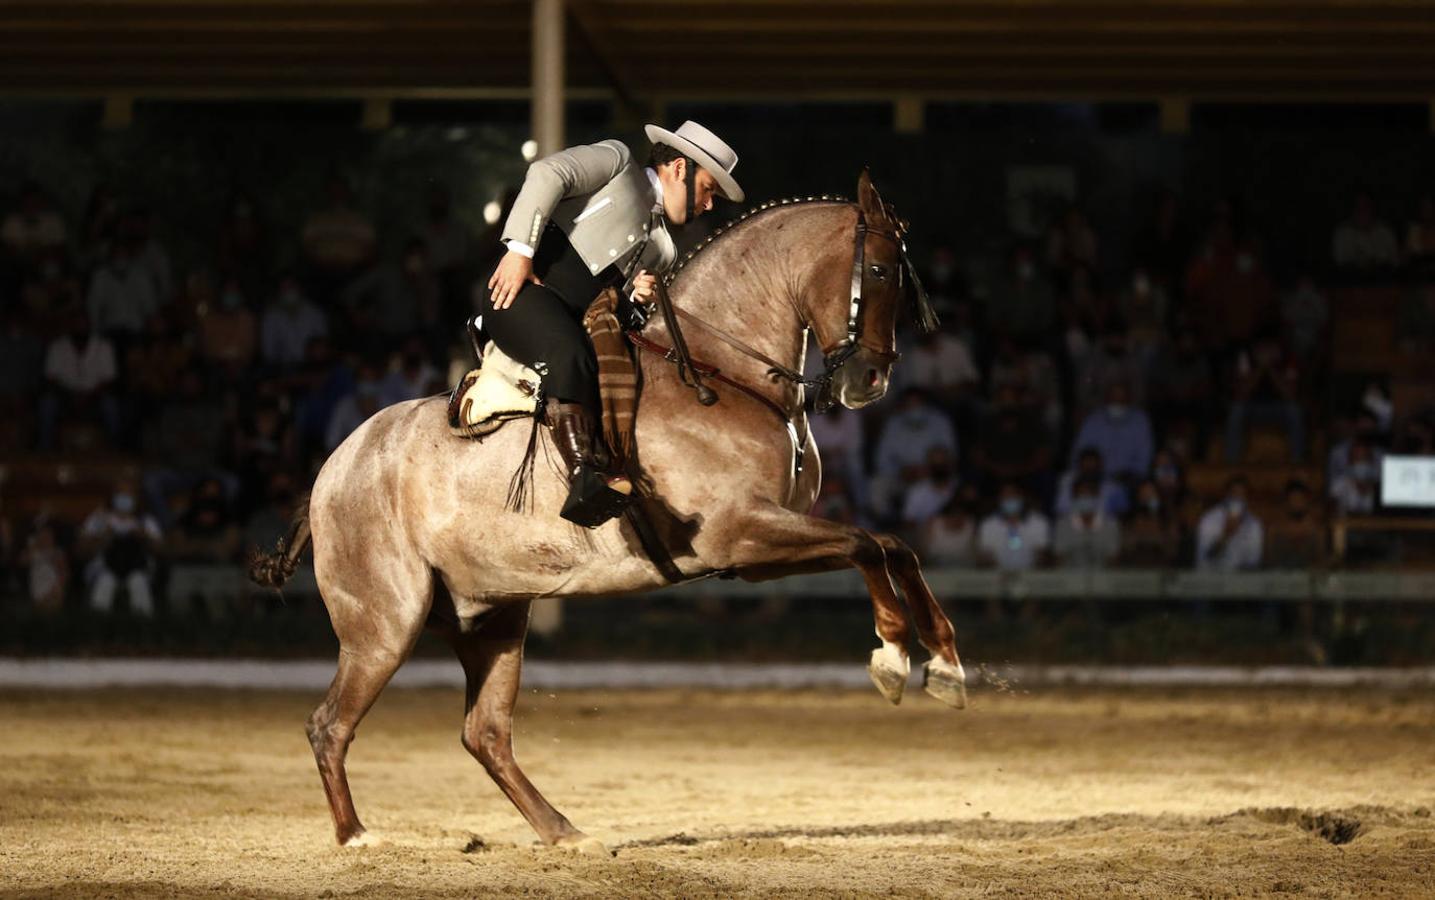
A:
[942, 675]
[772, 542]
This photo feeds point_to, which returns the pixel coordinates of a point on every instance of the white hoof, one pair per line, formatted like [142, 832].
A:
[946, 682]
[364, 839]
[889, 668]
[583, 844]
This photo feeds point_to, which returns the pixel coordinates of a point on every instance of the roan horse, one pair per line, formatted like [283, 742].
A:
[410, 529]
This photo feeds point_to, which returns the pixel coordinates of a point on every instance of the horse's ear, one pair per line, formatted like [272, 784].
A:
[868, 198]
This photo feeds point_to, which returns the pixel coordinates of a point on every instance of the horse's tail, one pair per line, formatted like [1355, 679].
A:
[271, 570]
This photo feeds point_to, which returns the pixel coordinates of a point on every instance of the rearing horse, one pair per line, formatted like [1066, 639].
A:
[409, 525]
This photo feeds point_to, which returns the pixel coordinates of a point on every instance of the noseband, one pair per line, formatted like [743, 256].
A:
[835, 357]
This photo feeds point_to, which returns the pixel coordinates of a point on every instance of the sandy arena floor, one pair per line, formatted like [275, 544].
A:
[704, 794]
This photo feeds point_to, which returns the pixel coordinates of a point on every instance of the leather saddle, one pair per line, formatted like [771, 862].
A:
[499, 390]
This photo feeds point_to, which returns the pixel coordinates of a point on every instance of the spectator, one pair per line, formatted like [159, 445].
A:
[1023, 306]
[949, 538]
[47, 568]
[242, 250]
[1363, 243]
[147, 253]
[1305, 312]
[1111, 495]
[1229, 297]
[1032, 372]
[1366, 430]
[1071, 241]
[1013, 445]
[1152, 534]
[391, 302]
[354, 409]
[1169, 475]
[1357, 491]
[154, 364]
[937, 487]
[1111, 361]
[1146, 309]
[121, 541]
[838, 435]
[1086, 537]
[413, 377]
[1296, 539]
[100, 227]
[941, 365]
[1420, 236]
[184, 445]
[207, 531]
[946, 283]
[1183, 391]
[1267, 388]
[79, 377]
[34, 229]
[51, 295]
[264, 445]
[319, 386]
[22, 366]
[227, 333]
[835, 501]
[1229, 538]
[290, 322]
[122, 295]
[1014, 538]
[908, 436]
[338, 242]
[1120, 432]
[271, 520]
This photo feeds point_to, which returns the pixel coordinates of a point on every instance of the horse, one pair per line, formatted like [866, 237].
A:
[410, 528]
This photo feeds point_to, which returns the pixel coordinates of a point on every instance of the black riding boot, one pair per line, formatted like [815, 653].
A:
[594, 497]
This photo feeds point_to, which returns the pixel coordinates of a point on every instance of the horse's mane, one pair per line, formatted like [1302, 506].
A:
[732, 224]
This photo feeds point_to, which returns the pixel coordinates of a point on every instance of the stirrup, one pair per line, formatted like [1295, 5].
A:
[594, 498]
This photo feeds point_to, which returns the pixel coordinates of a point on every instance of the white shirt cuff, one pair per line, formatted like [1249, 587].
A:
[521, 248]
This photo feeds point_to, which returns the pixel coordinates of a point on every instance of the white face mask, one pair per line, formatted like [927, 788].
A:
[1116, 410]
[1245, 263]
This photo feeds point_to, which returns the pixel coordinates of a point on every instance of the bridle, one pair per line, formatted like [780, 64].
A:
[834, 357]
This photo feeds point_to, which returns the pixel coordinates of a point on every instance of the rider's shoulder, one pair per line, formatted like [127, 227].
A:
[625, 155]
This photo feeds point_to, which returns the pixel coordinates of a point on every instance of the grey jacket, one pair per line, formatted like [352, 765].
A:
[602, 201]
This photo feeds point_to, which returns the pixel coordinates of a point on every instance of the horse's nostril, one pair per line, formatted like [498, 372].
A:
[873, 378]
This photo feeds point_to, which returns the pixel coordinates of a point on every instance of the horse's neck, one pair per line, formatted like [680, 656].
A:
[748, 284]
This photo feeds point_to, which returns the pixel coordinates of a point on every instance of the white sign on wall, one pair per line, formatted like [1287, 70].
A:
[1408, 481]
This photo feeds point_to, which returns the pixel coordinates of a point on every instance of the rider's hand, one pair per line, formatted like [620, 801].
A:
[513, 271]
[645, 286]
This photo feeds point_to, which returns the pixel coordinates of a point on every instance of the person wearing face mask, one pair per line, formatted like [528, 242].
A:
[228, 334]
[79, 379]
[1151, 535]
[1086, 538]
[1229, 537]
[1022, 305]
[123, 295]
[1357, 491]
[1111, 360]
[908, 437]
[122, 542]
[290, 322]
[1111, 495]
[926, 498]
[1266, 389]
[1120, 432]
[1014, 538]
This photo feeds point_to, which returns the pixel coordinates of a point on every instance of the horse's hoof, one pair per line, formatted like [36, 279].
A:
[946, 682]
[364, 839]
[889, 668]
[581, 843]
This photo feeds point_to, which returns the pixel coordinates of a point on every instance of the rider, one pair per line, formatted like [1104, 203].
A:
[588, 218]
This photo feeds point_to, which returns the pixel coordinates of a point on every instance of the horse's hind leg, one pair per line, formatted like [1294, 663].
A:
[331, 729]
[942, 676]
[492, 659]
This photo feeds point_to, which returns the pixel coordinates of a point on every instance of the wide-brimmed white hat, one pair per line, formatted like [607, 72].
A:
[709, 150]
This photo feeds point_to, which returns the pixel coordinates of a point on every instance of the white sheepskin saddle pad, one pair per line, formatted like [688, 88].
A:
[500, 390]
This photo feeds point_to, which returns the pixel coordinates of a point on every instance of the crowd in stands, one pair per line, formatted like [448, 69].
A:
[1052, 420]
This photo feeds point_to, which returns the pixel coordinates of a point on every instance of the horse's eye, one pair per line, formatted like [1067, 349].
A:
[879, 272]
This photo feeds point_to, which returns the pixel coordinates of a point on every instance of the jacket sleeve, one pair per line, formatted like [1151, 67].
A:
[568, 173]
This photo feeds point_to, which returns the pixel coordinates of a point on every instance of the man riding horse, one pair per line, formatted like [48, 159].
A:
[588, 218]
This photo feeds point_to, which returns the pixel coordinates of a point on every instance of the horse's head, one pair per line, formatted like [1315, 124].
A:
[857, 327]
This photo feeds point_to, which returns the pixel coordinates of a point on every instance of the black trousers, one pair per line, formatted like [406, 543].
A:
[543, 328]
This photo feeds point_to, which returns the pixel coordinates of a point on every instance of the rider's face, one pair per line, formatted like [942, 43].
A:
[675, 191]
